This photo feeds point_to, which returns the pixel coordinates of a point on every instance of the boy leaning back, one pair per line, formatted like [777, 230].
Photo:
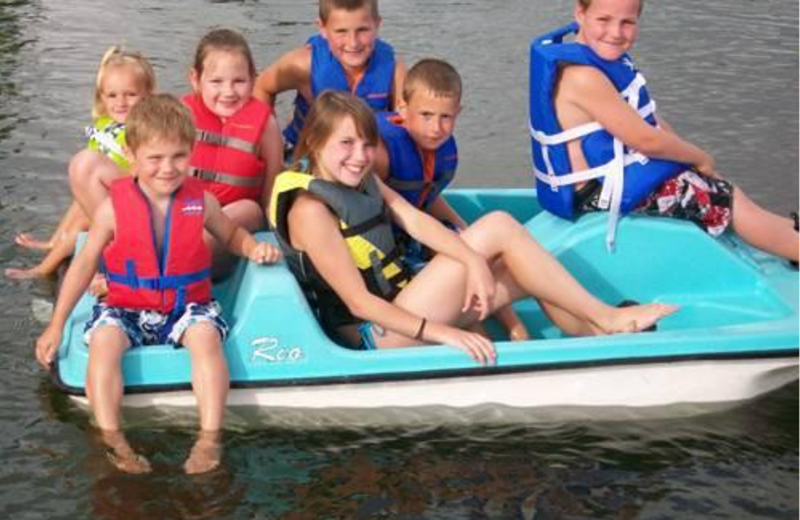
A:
[417, 155]
[346, 55]
[162, 214]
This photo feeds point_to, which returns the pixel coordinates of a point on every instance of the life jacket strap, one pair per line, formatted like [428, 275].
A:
[157, 283]
[224, 178]
[215, 139]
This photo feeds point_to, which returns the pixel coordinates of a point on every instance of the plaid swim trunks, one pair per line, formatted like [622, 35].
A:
[691, 196]
[145, 328]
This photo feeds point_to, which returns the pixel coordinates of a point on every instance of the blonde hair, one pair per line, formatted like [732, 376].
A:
[222, 40]
[432, 75]
[327, 6]
[160, 116]
[585, 4]
[115, 57]
[327, 112]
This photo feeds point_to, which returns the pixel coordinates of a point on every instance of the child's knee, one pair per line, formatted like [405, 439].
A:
[246, 213]
[202, 338]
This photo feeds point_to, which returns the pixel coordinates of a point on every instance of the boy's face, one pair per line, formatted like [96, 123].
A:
[609, 27]
[161, 165]
[430, 118]
[351, 36]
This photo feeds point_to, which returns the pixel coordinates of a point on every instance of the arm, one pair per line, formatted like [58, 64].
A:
[235, 238]
[292, 71]
[271, 148]
[315, 231]
[426, 229]
[443, 212]
[399, 79]
[77, 279]
[587, 91]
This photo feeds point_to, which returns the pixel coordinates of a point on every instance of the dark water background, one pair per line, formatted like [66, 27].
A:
[725, 73]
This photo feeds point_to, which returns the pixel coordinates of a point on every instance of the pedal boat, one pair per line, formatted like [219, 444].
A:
[735, 338]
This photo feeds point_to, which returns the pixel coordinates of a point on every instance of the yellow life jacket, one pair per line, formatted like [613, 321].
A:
[108, 137]
[367, 231]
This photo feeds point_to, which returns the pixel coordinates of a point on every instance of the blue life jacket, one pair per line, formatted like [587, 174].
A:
[628, 176]
[406, 169]
[375, 87]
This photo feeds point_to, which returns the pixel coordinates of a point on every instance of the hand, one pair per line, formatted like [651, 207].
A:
[480, 288]
[479, 348]
[264, 253]
[47, 345]
[707, 167]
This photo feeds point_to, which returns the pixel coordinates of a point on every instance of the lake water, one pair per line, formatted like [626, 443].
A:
[725, 73]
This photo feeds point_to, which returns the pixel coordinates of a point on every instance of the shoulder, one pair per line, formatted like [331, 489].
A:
[310, 222]
[582, 76]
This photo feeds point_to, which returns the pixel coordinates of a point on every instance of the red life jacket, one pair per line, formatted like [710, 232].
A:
[142, 277]
[225, 153]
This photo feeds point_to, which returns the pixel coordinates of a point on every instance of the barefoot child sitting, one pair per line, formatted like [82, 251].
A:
[417, 156]
[599, 144]
[123, 79]
[149, 234]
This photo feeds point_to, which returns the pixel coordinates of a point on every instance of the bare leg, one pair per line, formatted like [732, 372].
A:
[210, 382]
[63, 247]
[73, 218]
[763, 229]
[104, 388]
[437, 292]
[508, 317]
[90, 176]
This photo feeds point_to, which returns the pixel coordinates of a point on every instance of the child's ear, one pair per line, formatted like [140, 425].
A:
[128, 153]
[321, 28]
[194, 79]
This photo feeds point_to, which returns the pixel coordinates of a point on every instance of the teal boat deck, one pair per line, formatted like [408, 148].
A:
[736, 303]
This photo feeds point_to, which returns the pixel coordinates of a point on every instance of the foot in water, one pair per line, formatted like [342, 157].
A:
[29, 241]
[631, 317]
[206, 454]
[121, 455]
[25, 274]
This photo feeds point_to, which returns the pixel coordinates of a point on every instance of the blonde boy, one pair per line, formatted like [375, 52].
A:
[346, 55]
[157, 244]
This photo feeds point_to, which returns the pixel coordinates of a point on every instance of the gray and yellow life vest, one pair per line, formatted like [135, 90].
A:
[367, 231]
[108, 137]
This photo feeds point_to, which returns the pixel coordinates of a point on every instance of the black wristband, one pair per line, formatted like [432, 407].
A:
[421, 329]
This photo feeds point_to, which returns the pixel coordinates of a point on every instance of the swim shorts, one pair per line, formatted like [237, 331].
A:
[706, 201]
[144, 327]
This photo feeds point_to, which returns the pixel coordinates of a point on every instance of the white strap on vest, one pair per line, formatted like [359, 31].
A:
[613, 170]
[105, 140]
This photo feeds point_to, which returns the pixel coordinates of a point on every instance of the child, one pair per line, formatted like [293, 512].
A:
[334, 226]
[123, 78]
[591, 90]
[156, 216]
[346, 55]
[239, 148]
[417, 154]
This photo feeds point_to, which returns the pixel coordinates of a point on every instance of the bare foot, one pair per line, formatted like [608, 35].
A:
[635, 318]
[518, 332]
[206, 454]
[121, 455]
[99, 286]
[29, 241]
[25, 274]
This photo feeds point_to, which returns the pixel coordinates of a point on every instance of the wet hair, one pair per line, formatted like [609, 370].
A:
[226, 40]
[432, 75]
[585, 4]
[327, 6]
[329, 109]
[159, 117]
[116, 57]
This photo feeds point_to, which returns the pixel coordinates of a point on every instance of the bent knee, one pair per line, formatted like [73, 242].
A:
[247, 213]
[202, 337]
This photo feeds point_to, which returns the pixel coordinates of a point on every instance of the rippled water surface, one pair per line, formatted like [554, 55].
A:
[725, 73]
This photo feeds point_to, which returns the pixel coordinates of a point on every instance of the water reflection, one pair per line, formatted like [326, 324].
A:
[12, 44]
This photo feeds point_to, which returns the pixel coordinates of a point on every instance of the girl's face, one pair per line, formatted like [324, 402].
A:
[120, 89]
[609, 27]
[345, 157]
[225, 84]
